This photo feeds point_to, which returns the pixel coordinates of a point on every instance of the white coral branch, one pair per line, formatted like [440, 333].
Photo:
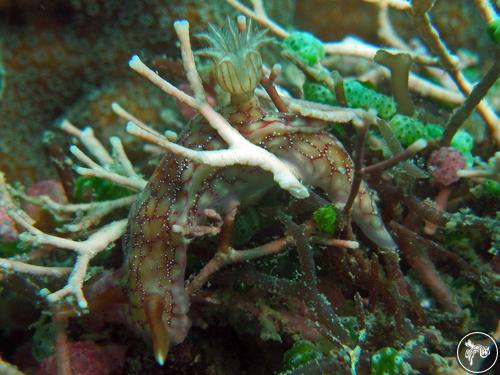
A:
[91, 143]
[106, 165]
[115, 167]
[86, 250]
[25, 268]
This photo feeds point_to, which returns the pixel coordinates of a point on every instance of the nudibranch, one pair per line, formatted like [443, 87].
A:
[180, 190]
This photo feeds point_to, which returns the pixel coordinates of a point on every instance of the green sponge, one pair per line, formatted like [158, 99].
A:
[408, 129]
[360, 96]
[462, 141]
[319, 93]
[434, 132]
[306, 46]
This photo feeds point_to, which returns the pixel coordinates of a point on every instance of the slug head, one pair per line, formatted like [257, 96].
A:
[235, 51]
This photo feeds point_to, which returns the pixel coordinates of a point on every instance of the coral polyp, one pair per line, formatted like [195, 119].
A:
[237, 61]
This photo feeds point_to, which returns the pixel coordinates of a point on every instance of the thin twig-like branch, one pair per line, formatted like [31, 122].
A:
[489, 171]
[396, 4]
[100, 210]
[231, 256]
[104, 168]
[60, 321]
[267, 83]
[399, 65]
[91, 143]
[352, 46]
[260, 18]
[478, 173]
[259, 9]
[94, 211]
[182, 29]
[319, 112]
[410, 152]
[358, 175]
[417, 257]
[7, 368]
[450, 62]
[134, 184]
[480, 90]
[86, 250]
[486, 10]
[320, 307]
[386, 31]
[5, 194]
[347, 244]
[25, 268]
[122, 157]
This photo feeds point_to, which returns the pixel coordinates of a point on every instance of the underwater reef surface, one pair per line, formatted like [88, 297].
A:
[208, 197]
[58, 53]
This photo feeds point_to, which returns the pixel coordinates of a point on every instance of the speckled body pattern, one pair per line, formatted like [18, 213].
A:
[179, 191]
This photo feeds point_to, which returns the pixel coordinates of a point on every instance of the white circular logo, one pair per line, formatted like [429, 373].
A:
[477, 352]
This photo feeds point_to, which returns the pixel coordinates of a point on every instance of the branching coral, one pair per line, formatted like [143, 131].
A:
[95, 242]
[240, 152]
[431, 37]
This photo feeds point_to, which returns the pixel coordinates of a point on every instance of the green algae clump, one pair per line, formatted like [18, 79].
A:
[300, 354]
[43, 341]
[326, 218]
[408, 129]
[387, 361]
[494, 30]
[13, 248]
[492, 187]
[306, 46]
[88, 188]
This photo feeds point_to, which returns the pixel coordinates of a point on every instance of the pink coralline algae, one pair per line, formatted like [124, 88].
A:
[88, 358]
[51, 188]
[444, 163]
[8, 230]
